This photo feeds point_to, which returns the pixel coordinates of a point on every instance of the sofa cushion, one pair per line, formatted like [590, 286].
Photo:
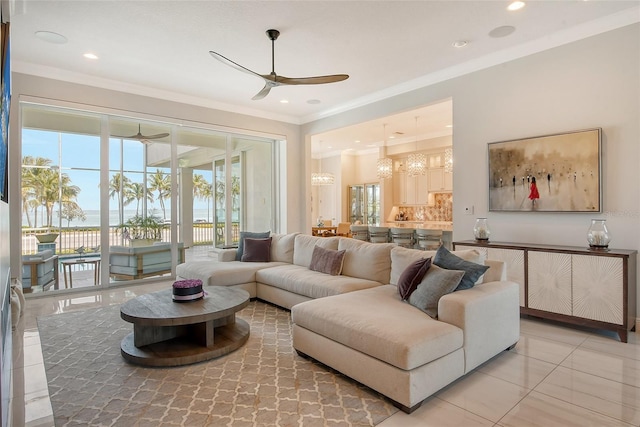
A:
[366, 260]
[412, 276]
[378, 323]
[436, 283]
[251, 235]
[401, 258]
[312, 284]
[222, 273]
[282, 247]
[257, 250]
[471, 262]
[304, 244]
[327, 261]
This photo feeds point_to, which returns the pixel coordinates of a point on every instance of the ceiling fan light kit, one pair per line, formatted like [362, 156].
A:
[272, 79]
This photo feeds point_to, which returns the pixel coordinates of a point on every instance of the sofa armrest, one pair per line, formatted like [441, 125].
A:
[226, 255]
[497, 271]
[489, 316]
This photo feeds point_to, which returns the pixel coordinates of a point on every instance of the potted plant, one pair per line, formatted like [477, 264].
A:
[141, 230]
[48, 237]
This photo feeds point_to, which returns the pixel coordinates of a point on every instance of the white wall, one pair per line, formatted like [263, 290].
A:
[590, 83]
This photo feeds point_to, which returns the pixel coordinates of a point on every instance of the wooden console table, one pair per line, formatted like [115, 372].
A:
[581, 286]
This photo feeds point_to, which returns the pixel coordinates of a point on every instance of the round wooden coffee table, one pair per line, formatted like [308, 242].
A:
[168, 333]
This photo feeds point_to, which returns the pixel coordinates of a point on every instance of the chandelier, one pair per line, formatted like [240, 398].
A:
[384, 166]
[321, 178]
[417, 162]
[448, 160]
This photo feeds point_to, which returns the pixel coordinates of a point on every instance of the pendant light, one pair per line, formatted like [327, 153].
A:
[384, 167]
[320, 178]
[448, 160]
[417, 162]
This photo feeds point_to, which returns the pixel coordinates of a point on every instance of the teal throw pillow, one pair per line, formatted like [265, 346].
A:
[449, 261]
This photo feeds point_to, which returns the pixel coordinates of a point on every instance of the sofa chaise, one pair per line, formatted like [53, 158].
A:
[357, 323]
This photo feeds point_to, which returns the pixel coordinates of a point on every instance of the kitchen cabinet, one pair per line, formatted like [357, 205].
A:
[439, 180]
[571, 284]
[410, 190]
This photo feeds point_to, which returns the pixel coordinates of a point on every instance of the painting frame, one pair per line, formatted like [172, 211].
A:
[559, 172]
[5, 103]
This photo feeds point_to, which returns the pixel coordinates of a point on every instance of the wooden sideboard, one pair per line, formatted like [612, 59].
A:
[581, 286]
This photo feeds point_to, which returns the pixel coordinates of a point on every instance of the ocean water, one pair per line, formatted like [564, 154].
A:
[93, 217]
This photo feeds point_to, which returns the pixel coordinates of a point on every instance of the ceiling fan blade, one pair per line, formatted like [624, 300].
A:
[311, 80]
[232, 64]
[140, 137]
[156, 136]
[264, 92]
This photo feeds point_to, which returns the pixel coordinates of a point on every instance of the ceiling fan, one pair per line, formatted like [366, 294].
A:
[143, 138]
[272, 79]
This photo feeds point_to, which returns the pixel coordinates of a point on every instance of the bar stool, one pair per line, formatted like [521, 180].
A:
[360, 232]
[379, 234]
[429, 240]
[402, 236]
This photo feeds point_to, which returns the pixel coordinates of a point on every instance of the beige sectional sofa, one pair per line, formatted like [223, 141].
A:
[357, 323]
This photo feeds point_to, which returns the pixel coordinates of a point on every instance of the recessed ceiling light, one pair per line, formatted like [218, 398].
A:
[503, 31]
[449, 126]
[90, 56]
[460, 43]
[51, 37]
[391, 137]
[284, 101]
[313, 101]
[357, 141]
[516, 5]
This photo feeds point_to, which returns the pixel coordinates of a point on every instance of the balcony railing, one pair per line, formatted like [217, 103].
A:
[70, 239]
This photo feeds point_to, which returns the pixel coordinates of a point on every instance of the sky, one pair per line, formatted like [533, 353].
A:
[81, 162]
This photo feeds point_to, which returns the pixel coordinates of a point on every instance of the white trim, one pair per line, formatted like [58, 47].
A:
[637, 325]
[38, 70]
[92, 108]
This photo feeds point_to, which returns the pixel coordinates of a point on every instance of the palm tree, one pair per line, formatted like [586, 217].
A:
[32, 168]
[116, 186]
[161, 183]
[43, 186]
[137, 191]
[202, 189]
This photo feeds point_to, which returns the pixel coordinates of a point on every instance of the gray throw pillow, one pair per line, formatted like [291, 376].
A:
[436, 283]
[251, 235]
[412, 276]
[472, 271]
[327, 261]
[256, 250]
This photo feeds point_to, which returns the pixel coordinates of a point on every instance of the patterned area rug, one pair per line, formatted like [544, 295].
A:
[264, 383]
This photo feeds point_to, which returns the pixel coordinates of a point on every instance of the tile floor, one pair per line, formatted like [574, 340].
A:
[555, 376]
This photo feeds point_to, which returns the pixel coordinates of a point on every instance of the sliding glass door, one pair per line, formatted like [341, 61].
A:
[183, 187]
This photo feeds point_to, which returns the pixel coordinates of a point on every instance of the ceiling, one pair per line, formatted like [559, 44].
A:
[160, 48]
